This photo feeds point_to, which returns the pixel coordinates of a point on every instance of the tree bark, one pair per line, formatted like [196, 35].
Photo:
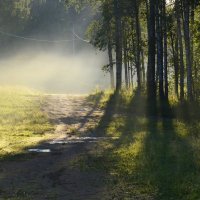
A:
[143, 67]
[159, 33]
[112, 81]
[175, 52]
[180, 41]
[118, 43]
[151, 86]
[165, 50]
[138, 44]
[125, 55]
[188, 48]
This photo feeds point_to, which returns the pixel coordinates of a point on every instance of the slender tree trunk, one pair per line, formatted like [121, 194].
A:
[128, 64]
[118, 42]
[195, 78]
[125, 56]
[131, 66]
[112, 81]
[165, 50]
[126, 67]
[159, 34]
[192, 42]
[143, 67]
[176, 62]
[188, 48]
[138, 44]
[180, 41]
[129, 74]
[192, 30]
[151, 86]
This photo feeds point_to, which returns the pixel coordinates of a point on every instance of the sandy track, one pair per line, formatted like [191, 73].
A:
[51, 175]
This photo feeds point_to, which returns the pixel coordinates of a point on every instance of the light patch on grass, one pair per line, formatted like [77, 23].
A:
[156, 156]
[127, 156]
[22, 122]
[114, 128]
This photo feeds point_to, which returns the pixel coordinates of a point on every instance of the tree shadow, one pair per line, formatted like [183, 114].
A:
[110, 110]
[169, 162]
[163, 168]
[150, 159]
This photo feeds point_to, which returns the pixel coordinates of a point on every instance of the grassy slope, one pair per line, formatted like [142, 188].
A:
[21, 121]
[156, 157]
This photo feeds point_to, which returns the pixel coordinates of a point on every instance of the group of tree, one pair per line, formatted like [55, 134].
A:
[43, 20]
[156, 41]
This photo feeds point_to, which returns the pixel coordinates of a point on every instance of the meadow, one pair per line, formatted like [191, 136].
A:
[22, 122]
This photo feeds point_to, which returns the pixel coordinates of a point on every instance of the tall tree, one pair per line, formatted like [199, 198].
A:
[159, 34]
[118, 43]
[186, 8]
[180, 42]
[151, 86]
[138, 43]
[164, 15]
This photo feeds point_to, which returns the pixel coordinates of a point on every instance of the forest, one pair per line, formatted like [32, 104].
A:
[155, 45]
[100, 99]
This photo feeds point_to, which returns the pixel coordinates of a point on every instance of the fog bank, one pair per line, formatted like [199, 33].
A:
[54, 72]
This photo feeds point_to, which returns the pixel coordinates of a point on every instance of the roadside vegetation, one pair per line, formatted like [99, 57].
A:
[156, 155]
[22, 123]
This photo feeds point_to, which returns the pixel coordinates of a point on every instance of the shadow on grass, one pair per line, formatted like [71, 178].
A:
[151, 159]
[169, 162]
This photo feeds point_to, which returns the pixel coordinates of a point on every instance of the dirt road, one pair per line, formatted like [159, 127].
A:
[52, 175]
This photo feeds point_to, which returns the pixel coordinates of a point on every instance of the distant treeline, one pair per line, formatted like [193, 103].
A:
[155, 41]
[40, 19]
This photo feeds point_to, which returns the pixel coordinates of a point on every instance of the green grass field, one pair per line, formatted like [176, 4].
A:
[22, 122]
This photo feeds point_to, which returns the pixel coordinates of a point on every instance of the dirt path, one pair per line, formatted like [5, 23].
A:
[52, 175]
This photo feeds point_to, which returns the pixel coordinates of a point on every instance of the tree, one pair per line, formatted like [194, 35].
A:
[151, 86]
[186, 8]
[118, 43]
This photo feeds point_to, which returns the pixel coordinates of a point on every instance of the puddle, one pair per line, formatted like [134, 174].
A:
[76, 140]
[66, 142]
[40, 150]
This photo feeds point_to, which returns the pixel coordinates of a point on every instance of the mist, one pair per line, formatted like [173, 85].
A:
[53, 71]
[30, 57]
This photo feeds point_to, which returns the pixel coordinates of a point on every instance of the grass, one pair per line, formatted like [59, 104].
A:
[22, 123]
[156, 156]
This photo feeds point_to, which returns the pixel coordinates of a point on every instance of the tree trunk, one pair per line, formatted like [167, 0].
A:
[180, 41]
[165, 49]
[138, 44]
[143, 67]
[188, 48]
[112, 81]
[118, 43]
[125, 56]
[176, 62]
[159, 31]
[151, 86]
